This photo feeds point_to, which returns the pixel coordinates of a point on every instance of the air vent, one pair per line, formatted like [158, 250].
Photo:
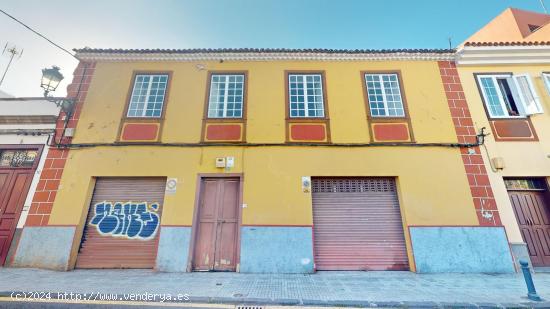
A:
[349, 185]
[533, 28]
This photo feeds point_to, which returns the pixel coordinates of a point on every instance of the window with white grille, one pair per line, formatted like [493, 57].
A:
[148, 95]
[226, 96]
[384, 95]
[306, 96]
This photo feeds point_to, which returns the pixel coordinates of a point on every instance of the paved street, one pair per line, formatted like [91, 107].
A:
[359, 289]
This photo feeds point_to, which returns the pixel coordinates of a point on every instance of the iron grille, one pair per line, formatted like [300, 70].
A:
[525, 184]
[17, 158]
[349, 185]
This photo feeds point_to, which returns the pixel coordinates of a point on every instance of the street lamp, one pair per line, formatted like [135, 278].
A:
[50, 80]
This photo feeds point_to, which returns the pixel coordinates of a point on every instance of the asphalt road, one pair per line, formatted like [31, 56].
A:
[55, 304]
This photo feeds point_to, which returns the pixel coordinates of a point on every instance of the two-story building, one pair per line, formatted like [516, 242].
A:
[505, 71]
[26, 128]
[267, 160]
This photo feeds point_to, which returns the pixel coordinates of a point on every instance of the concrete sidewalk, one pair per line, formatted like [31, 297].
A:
[358, 289]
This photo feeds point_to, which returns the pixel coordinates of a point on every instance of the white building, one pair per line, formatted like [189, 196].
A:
[26, 128]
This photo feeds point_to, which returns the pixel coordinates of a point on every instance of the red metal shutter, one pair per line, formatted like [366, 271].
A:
[357, 225]
[124, 236]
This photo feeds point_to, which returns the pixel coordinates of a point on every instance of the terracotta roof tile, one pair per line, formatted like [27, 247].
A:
[519, 43]
[259, 50]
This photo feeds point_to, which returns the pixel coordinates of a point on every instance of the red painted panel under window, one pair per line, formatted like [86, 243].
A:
[140, 132]
[391, 132]
[223, 132]
[512, 128]
[305, 132]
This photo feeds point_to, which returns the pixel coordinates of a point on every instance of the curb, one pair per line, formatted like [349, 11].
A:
[121, 298]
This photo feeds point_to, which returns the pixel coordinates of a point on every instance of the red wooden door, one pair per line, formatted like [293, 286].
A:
[14, 185]
[217, 226]
[533, 217]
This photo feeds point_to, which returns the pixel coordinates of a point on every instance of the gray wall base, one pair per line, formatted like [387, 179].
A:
[461, 249]
[173, 249]
[45, 247]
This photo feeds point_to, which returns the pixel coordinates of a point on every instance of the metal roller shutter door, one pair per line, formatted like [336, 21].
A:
[357, 225]
[124, 236]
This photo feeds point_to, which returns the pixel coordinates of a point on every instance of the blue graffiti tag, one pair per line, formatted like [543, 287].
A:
[131, 220]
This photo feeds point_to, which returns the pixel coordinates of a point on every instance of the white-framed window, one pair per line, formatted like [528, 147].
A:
[508, 96]
[148, 95]
[226, 96]
[546, 78]
[384, 95]
[306, 96]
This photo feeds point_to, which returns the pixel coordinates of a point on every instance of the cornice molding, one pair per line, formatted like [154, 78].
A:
[261, 56]
[511, 54]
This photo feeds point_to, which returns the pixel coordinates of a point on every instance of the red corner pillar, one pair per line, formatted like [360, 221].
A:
[482, 194]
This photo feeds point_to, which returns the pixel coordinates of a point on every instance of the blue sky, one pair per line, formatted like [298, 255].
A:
[238, 23]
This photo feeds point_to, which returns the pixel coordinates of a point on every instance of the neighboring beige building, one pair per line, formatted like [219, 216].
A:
[26, 126]
[505, 72]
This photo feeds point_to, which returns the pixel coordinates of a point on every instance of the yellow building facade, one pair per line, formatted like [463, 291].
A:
[268, 161]
[506, 82]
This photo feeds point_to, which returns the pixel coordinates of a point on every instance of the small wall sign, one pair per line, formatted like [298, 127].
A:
[306, 184]
[171, 185]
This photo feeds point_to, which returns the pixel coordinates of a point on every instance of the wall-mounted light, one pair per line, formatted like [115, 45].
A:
[50, 81]
[480, 138]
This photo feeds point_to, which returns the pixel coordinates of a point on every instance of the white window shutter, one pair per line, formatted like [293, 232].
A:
[529, 98]
[546, 79]
[518, 97]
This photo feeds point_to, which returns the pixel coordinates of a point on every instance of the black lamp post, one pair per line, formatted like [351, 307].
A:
[50, 80]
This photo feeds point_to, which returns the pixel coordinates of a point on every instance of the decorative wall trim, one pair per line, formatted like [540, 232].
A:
[521, 129]
[505, 54]
[482, 193]
[28, 119]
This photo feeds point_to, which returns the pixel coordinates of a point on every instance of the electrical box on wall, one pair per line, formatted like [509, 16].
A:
[498, 163]
[229, 162]
[69, 132]
[306, 184]
[220, 162]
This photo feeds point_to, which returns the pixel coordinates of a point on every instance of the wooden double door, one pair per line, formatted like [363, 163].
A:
[216, 228]
[533, 215]
[14, 185]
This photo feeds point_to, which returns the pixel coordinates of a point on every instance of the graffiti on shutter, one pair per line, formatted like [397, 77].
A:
[131, 220]
[123, 225]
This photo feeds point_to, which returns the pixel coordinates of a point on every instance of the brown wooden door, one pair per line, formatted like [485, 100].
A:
[217, 226]
[357, 225]
[531, 209]
[14, 185]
